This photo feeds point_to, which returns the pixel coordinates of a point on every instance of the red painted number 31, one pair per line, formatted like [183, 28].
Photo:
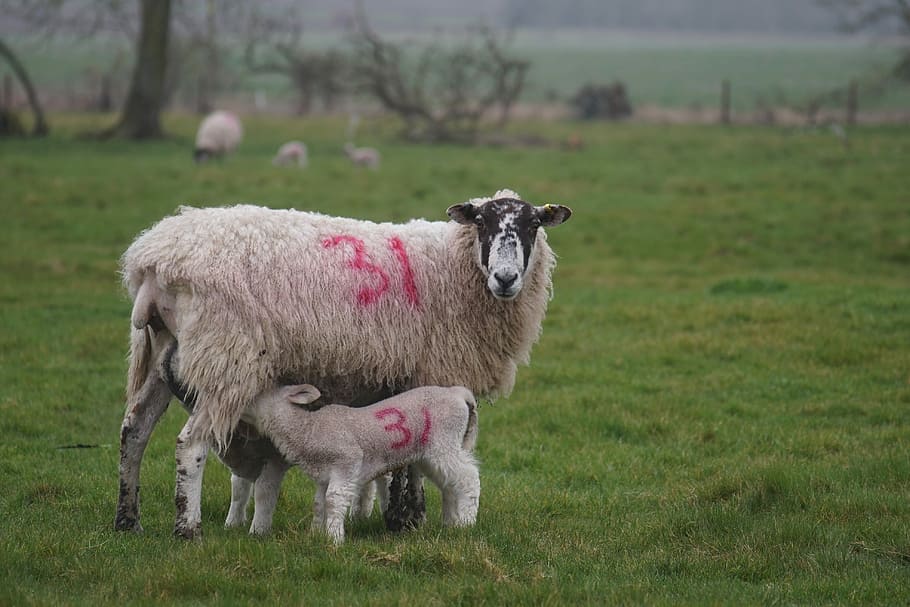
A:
[400, 430]
[379, 278]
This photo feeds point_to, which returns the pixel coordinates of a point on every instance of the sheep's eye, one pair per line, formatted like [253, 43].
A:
[535, 223]
[478, 221]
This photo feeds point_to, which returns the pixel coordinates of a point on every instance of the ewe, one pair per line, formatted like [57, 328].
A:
[344, 448]
[363, 310]
[219, 134]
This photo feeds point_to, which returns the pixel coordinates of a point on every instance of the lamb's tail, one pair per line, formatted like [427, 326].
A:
[470, 435]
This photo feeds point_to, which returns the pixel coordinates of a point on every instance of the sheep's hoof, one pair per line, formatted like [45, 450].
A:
[127, 524]
[188, 533]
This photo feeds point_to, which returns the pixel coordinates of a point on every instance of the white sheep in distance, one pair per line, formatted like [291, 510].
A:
[361, 309]
[343, 448]
[292, 152]
[362, 157]
[219, 134]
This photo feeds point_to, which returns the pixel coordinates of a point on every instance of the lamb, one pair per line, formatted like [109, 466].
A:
[219, 134]
[362, 157]
[363, 310]
[344, 448]
[292, 152]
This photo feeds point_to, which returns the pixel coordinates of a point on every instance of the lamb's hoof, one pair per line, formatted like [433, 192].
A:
[188, 532]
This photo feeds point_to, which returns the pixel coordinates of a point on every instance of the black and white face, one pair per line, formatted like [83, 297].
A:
[506, 234]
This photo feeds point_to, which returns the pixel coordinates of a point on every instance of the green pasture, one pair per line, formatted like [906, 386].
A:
[718, 411]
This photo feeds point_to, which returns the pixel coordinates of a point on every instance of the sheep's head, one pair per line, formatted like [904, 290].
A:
[506, 234]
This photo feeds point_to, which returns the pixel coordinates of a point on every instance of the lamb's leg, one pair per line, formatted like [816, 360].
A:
[140, 419]
[338, 496]
[268, 486]
[407, 505]
[466, 495]
[458, 480]
[319, 507]
[191, 454]
[362, 506]
[382, 490]
[241, 490]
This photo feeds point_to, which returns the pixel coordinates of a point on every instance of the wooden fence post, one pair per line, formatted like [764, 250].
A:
[725, 102]
[852, 102]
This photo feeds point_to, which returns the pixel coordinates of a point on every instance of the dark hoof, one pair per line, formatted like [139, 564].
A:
[188, 533]
[127, 524]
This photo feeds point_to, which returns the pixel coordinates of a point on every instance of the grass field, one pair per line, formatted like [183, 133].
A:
[718, 411]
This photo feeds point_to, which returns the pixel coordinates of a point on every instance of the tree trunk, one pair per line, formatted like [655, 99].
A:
[40, 127]
[141, 115]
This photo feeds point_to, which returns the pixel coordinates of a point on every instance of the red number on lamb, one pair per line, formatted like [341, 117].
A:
[399, 427]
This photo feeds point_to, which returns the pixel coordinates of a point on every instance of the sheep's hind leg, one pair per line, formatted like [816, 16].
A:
[190, 457]
[462, 495]
[407, 507]
[138, 423]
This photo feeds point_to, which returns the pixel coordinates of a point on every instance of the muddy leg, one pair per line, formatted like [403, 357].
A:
[138, 423]
[407, 506]
[190, 455]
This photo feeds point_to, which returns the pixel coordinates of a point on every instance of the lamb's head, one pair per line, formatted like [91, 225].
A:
[506, 235]
[280, 396]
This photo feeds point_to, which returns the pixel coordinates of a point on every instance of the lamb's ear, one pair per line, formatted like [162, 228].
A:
[463, 213]
[553, 214]
[302, 394]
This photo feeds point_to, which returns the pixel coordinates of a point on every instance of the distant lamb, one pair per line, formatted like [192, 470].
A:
[362, 157]
[292, 152]
[363, 310]
[219, 134]
[344, 448]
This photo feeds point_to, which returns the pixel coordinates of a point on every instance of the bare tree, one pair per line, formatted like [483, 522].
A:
[446, 92]
[890, 16]
[274, 46]
[39, 128]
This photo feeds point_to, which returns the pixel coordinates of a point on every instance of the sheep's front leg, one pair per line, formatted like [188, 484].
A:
[407, 507]
[138, 422]
[241, 490]
[268, 486]
[190, 457]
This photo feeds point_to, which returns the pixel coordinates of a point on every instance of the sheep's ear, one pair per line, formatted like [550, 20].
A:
[553, 214]
[463, 213]
[302, 394]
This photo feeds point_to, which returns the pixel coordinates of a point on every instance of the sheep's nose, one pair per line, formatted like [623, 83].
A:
[505, 279]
